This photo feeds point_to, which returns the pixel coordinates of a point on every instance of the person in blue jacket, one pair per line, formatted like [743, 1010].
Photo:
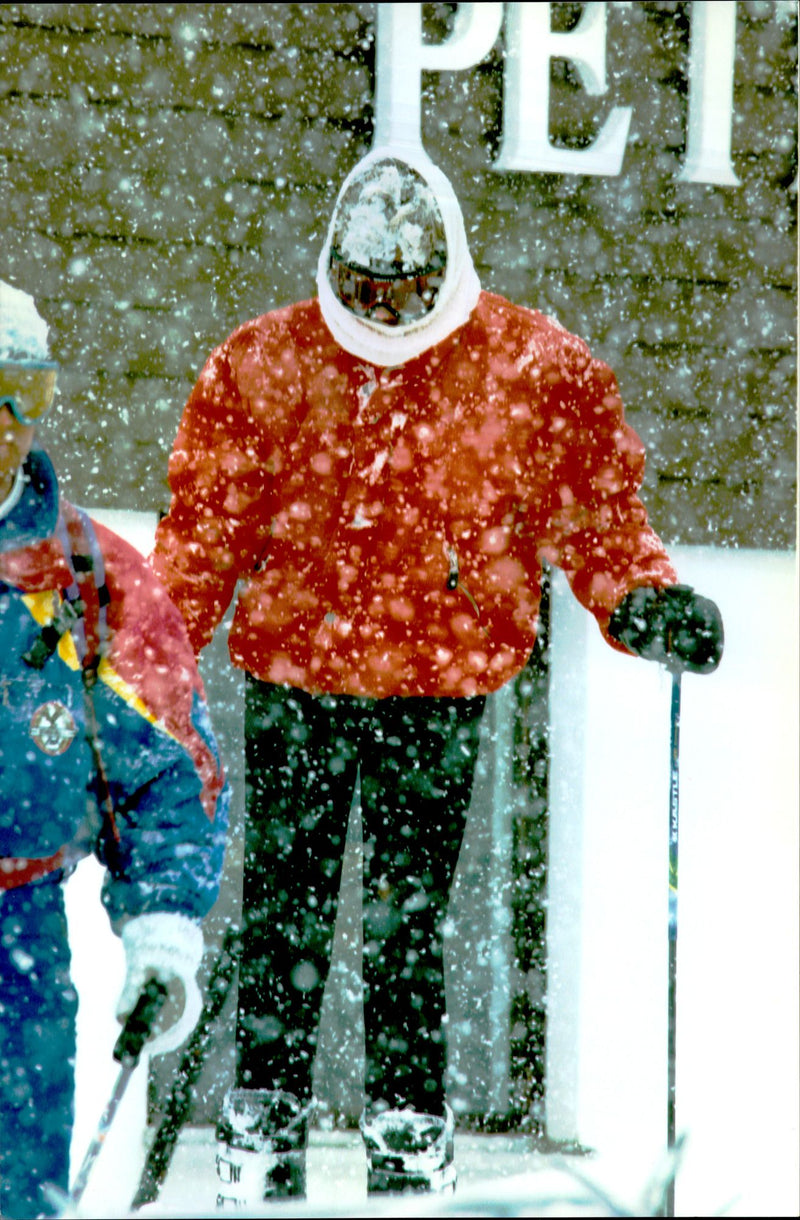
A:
[106, 748]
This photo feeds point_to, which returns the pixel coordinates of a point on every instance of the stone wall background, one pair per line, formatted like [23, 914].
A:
[167, 171]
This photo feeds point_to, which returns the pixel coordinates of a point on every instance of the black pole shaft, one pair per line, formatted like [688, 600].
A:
[672, 1000]
[96, 1146]
[127, 1051]
[191, 1064]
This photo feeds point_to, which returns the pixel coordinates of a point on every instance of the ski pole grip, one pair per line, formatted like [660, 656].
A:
[139, 1024]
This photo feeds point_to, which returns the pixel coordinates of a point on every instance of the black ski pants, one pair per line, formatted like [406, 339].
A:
[303, 754]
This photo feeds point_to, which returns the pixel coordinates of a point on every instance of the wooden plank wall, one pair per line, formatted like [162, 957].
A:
[167, 171]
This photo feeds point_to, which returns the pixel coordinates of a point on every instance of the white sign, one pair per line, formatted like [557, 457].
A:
[402, 56]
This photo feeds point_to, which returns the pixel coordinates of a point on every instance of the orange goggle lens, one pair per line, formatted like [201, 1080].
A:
[407, 297]
[27, 388]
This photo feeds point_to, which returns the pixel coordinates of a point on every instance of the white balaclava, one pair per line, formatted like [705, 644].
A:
[23, 332]
[374, 229]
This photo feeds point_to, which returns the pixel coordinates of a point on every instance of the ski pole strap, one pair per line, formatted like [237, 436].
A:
[85, 559]
[84, 614]
[68, 617]
[83, 608]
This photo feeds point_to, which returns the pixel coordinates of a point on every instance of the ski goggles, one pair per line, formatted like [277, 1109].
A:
[27, 388]
[406, 296]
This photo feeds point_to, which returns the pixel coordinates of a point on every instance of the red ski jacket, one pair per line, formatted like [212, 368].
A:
[388, 525]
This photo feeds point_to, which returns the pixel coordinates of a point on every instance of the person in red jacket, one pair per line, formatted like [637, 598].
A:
[379, 475]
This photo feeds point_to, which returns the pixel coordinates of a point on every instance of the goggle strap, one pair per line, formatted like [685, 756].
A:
[435, 268]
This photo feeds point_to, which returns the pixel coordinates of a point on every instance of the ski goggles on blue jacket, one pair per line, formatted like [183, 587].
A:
[406, 295]
[27, 388]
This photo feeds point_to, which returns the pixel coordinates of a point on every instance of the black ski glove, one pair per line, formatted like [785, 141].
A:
[673, 625]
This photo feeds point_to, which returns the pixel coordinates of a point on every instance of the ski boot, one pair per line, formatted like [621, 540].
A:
[408, 1151]
[261, 1148]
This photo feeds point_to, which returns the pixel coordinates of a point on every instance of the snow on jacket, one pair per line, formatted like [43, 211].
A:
[170, 800]
[388, 524]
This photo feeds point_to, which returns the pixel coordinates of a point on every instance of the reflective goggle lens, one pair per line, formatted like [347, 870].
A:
[406, 296]
[27, 388]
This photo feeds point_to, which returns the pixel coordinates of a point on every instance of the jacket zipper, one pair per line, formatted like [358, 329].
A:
[454, 582]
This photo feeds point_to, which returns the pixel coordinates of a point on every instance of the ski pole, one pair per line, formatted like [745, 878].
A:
[191, 1064]
[672, 997]
[128, 1048]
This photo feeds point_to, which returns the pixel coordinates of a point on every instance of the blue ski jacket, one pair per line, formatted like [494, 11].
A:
[105, 739]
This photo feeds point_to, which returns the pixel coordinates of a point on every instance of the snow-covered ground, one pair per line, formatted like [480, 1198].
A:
[738, 1021]
[498, 1175]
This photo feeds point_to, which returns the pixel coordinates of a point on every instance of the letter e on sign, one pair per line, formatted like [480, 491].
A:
[530, 45]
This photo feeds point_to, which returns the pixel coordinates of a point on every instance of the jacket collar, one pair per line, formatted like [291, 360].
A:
[33, 518]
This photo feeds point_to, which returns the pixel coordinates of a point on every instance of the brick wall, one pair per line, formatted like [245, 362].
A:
[168, 170]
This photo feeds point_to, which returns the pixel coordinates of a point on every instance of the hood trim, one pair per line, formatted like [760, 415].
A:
[33, 518]
[458, 296]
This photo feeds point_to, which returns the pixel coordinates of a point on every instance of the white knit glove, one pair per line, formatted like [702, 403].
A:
[163, 945]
